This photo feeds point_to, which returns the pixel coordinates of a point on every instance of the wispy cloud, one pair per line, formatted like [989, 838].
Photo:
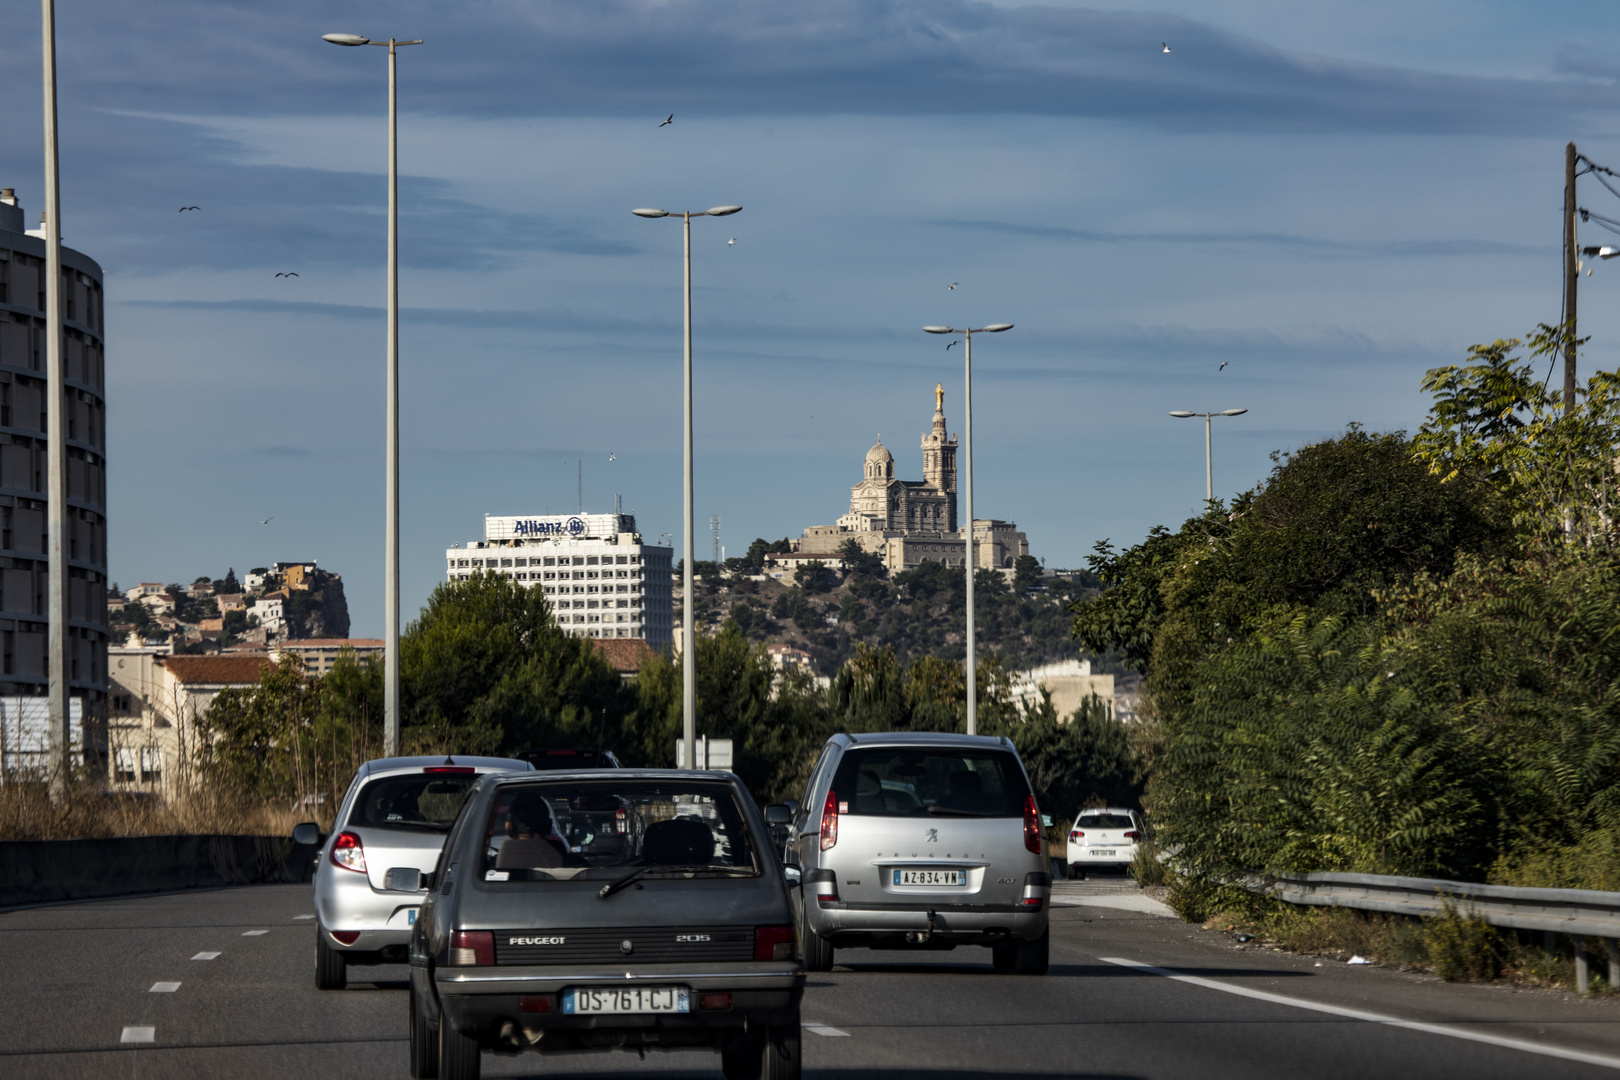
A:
[1440, 248]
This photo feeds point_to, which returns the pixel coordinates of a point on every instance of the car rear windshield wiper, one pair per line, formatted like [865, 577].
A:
[958, 813]
[427, 826]
[642, 871]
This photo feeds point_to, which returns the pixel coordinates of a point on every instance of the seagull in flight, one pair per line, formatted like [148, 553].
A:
[732, 242]
[951, 286]
[613, 457]
[671, 120]
[948, 347]
[289, 273]
[183, 209]
[1166, 47]
[1223, 365]
[268, 520]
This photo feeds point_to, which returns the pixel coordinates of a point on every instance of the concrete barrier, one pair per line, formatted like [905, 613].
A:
[38, 871]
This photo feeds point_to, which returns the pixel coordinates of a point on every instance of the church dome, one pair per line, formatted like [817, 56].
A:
[879, 463]
[879, 454]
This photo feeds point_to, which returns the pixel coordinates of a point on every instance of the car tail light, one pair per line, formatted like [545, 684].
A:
[345, 937]
[714, 1002]
[348, 852]
[773, 943]
[454, 770]
[1076, 834]
[1132, 835]
[472, 948]
[829, 821]
[1032, 826]
[1033, 903]
[536, 1003]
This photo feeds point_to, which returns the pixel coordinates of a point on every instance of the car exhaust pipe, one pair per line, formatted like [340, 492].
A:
[512, 1039]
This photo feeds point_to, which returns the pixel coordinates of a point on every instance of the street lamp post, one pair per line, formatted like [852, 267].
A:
[968, 531]
[391, 543]
[688, 536]
[59, 713]
[1209, 469]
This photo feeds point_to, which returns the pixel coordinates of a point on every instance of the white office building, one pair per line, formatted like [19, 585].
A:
[599, 577]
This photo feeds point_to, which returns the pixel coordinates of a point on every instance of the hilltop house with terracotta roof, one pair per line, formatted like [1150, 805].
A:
[625, 654]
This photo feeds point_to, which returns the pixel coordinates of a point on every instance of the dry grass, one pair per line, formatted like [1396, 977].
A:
[27, 813]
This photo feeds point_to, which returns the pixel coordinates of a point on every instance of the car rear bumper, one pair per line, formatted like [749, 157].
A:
[345, 900]
[1117, 856]
[846, 923]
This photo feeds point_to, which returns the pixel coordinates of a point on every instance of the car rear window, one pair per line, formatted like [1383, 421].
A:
[601, 830]
[411, 801]
[899, 782]
[1104, 821]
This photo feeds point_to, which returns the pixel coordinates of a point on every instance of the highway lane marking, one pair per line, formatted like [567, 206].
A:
[254, 933]
[823, 1029]
[1372, 1017]
[296, 917]
[139, 1035]
[164, 988]
[206, 956]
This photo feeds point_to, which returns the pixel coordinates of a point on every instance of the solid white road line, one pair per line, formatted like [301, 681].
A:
[164, 988]
[139, 1035]
[206, 956]
[823, 1029]
[1375, 1018]
[254, 933]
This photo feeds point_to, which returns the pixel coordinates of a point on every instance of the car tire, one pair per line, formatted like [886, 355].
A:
[459, 1056]
[424, 1048]
[1033, 957]
[331, 970]
[818, 951]
[1076, 872]
[743, 1059]
[1004, 955]
[782, 1059]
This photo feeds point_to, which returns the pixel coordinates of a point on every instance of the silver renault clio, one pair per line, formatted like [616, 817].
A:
[395, 814]
[916, 840]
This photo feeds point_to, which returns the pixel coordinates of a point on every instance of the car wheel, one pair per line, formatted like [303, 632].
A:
[743, 1059]
[818, 951]
[424, 1048]
[331, 971]
[1004, 955]
[782, 1059]
[1033, 956]
[1076, 872]
[459, 1057]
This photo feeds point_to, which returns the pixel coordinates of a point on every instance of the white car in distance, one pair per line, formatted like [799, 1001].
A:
[1106, 837]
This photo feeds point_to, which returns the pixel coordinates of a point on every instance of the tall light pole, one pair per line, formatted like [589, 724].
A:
[58, 706]
[391, 543]
[968, 531]
[688, 536]
[1209, 469]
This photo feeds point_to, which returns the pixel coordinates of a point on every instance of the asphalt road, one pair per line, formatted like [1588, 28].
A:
[77, 981]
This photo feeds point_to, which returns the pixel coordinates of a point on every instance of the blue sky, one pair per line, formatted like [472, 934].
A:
[1331, 198]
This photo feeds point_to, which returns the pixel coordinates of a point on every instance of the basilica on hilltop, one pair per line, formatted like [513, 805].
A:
[910, 521]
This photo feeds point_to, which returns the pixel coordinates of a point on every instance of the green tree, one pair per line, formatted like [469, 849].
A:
[1027, 574]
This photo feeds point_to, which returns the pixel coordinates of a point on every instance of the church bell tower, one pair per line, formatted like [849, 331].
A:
[939, 455]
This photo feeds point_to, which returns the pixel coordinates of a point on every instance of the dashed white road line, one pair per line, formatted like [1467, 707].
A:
[139, 1035]
[206, 956]
[823, 1029]
[1374, 1018]
[254, 933]
[164, 988]
[296, 917]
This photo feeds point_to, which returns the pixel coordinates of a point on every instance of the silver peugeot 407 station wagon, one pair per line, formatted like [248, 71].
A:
[632, 909]
[913, 840]
[395, 814]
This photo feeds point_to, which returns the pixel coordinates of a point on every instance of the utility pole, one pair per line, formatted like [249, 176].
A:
[1572, 278]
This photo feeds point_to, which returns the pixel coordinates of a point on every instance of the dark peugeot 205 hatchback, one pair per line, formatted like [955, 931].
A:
[633, 909]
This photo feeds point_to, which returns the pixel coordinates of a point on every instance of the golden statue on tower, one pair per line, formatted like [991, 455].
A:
[939, 398]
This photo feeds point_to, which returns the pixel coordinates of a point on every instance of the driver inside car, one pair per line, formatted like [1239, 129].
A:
[529, 829]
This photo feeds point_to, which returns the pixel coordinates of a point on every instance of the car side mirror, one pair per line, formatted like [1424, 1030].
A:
[308, 834]
[793, 808]
[404, 879]
[1046, 821]
[778, 814]
[794, 874]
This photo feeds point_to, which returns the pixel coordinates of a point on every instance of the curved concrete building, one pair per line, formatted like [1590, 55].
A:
[24, 569]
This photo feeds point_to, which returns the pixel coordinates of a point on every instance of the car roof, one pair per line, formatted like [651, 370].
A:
[923, 738]
[614, 776]
[1106, 810]
[378, 766]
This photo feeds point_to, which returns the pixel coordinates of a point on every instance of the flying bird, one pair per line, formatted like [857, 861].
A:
[948, 347]
[732, 242]
[613, 457]
[1166, 47]
[671, 120]
[951, 286]
[289, 273]
[1223, 365]
[268, 520]
[183, 209]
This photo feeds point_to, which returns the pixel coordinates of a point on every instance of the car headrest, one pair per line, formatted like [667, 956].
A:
[677, 842]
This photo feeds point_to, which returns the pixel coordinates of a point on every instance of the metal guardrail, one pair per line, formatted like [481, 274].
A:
[1580, 913]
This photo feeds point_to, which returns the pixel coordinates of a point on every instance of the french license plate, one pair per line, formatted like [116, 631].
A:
[641, 999]
[929, 877]
[1101, 854]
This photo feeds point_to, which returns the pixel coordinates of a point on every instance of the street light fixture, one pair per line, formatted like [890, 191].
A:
[391, 543]
[969, 532]
[1209, 473]
[688, 536]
